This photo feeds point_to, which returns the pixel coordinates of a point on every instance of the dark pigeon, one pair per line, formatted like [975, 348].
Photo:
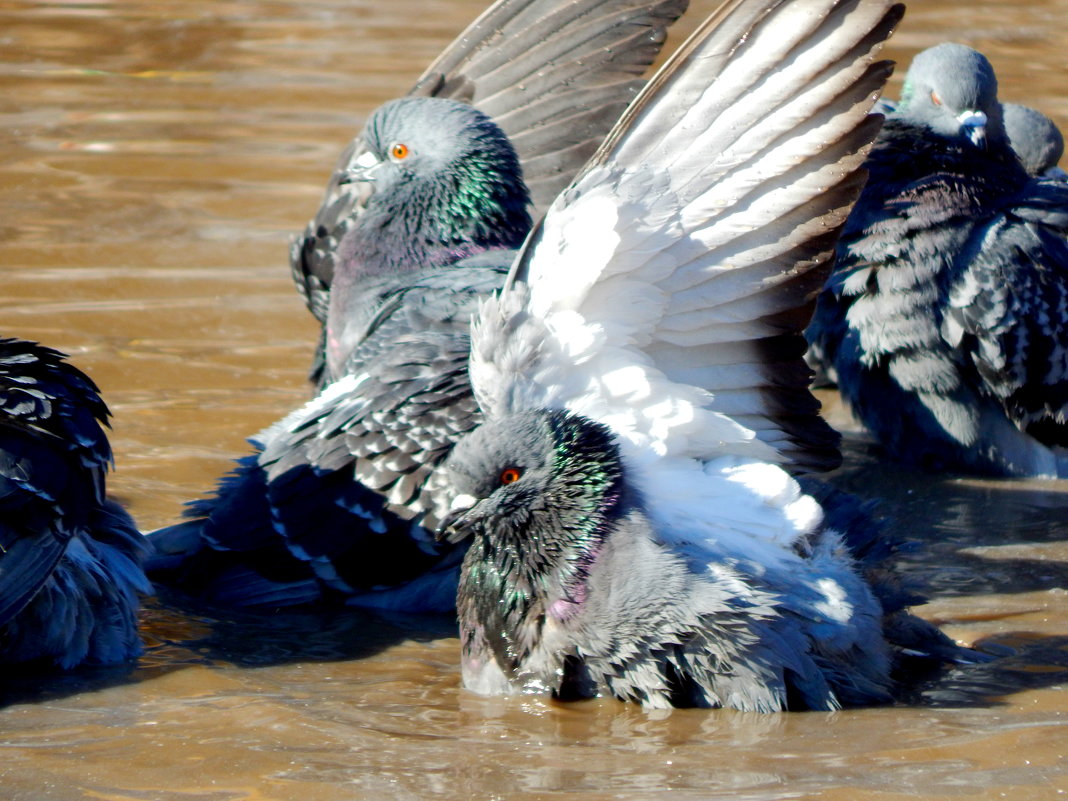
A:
[634, 529]
[1038, 144]
[70, 570]
[1035, 138]
[944, 321]
[553, 76]
[334, 504]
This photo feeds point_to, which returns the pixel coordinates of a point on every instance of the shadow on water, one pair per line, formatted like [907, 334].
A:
[964, 536]
[32, 684]
[1022, 661]
[177, 638]
[249, 640]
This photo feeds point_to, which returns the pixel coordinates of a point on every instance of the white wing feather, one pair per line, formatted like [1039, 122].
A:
[657, 280]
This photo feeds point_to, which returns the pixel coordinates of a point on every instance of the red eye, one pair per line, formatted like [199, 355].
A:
[936, 99]
[510, 475]
[399, 151]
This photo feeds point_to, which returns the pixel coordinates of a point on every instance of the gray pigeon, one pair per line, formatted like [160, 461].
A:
[634, 529]
[944, 320]
[554, 76]
[330, 508]
[1035, 138]
[69, 558]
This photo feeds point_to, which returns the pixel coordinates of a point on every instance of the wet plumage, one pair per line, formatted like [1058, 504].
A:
[946, 319]
[569, 588]
[69, 558]
[635, 529]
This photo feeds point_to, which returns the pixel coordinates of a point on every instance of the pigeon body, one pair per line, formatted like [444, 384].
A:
[448, 187]
[944, 321]
[70, 570]
[333, 504]
[635, 528]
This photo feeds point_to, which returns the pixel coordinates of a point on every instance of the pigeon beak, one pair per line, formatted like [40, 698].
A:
[451, 528]
[973, 125]
[360, 170]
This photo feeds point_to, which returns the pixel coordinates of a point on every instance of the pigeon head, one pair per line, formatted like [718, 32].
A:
[537, 493]
[1034, 137]
[953, 90]
[446, 185]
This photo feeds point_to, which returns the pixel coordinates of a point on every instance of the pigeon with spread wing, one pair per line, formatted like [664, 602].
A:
[635, 529]
[334, 504]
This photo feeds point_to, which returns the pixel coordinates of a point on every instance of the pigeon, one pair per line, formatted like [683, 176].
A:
[1038, 144]
[70, 572]
[334, 504]
[554, 76]
[635, 531]
[1035, 138]
[944, 322]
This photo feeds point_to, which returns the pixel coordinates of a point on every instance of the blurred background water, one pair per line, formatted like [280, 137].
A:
[155, 158]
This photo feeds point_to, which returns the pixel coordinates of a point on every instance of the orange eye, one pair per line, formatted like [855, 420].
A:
[936, 99]
[510, 475]
[399, 151]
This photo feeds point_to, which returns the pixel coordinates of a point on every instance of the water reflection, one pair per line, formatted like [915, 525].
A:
[966, 536]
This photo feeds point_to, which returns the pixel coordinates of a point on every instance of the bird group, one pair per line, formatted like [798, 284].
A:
[561, 385]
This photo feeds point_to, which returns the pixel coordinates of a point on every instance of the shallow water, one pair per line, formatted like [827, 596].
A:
[154, 159]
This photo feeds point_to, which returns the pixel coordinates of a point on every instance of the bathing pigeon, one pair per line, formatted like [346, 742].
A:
[69, 558]
[1037, 143]
[554, 76]
[945, 319]
[334, 504]
[1035, 138]
[291, 525]
[634, 530]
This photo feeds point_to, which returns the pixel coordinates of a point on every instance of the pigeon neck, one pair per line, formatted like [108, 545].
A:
[908, 151]
[433, 223]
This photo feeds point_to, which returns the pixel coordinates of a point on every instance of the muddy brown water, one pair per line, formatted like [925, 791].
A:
[154, 159]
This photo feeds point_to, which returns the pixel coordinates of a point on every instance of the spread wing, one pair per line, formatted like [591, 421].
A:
[667, 288]
[554, 76]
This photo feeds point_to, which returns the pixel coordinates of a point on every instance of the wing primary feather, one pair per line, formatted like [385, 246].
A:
[711, 218]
